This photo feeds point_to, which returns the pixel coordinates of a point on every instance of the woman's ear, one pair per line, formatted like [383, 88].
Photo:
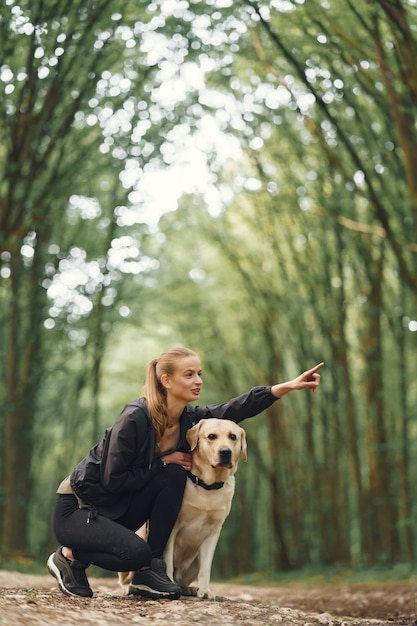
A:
[165, 381]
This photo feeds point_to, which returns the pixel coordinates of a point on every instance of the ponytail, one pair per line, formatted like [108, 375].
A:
[155, 395]
[155, 392]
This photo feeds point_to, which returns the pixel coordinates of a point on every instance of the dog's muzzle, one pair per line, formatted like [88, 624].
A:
[225, 457]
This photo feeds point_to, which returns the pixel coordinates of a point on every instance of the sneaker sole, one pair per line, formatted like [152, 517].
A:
[148, 592]
[57, 574]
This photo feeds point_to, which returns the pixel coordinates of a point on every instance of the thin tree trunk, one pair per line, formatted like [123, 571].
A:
[24, 365]
[383, 543]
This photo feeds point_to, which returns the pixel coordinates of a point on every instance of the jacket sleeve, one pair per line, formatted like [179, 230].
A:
[127, 458]
[240, 408]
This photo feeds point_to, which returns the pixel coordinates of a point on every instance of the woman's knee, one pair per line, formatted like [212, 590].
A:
[138, 555]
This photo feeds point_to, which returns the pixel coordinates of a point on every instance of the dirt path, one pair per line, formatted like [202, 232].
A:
[36, 600]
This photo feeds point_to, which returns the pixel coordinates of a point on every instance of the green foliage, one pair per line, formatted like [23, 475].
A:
[307, 253]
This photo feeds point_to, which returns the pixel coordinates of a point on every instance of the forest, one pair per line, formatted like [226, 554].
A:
[238, 177]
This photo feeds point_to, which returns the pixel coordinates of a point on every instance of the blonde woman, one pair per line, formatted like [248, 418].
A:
[137, 474]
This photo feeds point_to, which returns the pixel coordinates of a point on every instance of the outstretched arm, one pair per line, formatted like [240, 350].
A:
[307, 380]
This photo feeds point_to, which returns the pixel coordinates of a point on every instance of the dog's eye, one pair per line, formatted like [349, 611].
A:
[212, 436]
[232, 437]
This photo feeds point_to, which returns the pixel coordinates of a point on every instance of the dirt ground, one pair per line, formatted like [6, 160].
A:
[36, 600]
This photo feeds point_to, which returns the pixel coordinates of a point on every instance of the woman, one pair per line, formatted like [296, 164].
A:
[137, 474]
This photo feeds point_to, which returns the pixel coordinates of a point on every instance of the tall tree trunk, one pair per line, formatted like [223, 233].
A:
[277, 446]
[341, 358]
[405, 495]
[24, 365]
[380, 511]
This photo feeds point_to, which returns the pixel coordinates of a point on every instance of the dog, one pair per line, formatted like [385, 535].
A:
[216, 446]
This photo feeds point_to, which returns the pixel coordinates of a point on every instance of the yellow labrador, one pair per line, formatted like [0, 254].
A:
[216, 446]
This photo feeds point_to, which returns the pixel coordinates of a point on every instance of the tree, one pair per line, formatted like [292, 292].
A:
[67, 138]
[325, 98]
[306, 253]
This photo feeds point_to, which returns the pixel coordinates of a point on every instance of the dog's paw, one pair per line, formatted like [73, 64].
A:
[124, 590]
[197, 592]
[206, 593]
[189, 591]
[125, 578]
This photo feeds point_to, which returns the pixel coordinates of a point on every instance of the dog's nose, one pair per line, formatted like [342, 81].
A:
[225, 456]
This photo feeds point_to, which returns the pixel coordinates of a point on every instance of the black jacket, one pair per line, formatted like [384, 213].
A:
[127, 456]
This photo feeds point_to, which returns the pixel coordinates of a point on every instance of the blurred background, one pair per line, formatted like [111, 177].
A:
[238, 178]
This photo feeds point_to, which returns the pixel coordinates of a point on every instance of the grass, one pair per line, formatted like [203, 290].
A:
[395, 573]
[24, 565]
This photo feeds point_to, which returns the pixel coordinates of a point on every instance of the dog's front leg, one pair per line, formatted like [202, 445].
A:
[207, 550]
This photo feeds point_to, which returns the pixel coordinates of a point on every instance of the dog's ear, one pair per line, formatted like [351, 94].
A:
[243, 455]
[192, 436]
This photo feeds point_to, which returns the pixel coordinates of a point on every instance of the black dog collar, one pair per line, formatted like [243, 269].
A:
[197, 481]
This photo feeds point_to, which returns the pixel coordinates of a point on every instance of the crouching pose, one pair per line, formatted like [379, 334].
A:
[137, 474]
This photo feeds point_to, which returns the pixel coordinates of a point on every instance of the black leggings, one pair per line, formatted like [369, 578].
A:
[113, 544]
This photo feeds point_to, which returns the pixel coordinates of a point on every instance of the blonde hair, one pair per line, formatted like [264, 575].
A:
[155, 392]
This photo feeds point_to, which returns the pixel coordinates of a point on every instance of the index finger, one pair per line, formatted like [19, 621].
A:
[315, 368]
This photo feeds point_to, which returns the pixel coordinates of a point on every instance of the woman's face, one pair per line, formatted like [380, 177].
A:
[185, 384]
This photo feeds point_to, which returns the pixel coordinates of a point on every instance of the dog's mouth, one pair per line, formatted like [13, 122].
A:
[225, 458]
[227, 465]
[224, 464]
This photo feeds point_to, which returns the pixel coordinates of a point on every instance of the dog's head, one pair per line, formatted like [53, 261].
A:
[221, 442]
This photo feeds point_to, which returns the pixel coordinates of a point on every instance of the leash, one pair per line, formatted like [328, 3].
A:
[200, 483]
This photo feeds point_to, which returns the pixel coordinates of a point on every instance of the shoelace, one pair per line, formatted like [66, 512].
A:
[160, 568]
